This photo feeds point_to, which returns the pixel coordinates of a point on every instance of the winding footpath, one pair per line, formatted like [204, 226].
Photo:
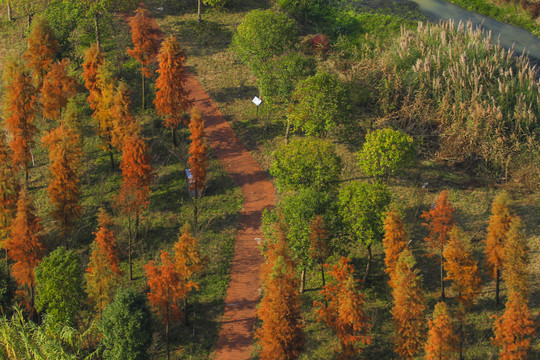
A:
[238, 321]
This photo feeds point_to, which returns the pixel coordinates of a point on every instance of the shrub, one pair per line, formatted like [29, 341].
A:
[386, 152]
[321, 105]
[262, 35]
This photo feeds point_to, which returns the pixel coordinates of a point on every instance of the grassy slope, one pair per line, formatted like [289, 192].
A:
[232, 88]
[506, 12]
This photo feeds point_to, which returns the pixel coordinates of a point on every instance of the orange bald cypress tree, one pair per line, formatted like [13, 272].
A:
[102, 274]
[172, 98]
[64, 157]
[137, 176]
[166, 291]
[57, 88]
[198, 161]
[124, 123]
[516, 259]
[20, 109]
[25, 246]
[8, 191]
[281, 333]
[187, 260]
[93, 60]
[409, 307]
[515, 329]
[104, 108]
[441, 341]
[439, 221]
[497, 230]
[145, 34]
[462, 270]
[394, 241]
[344, 313]
[42, 47]
[319, 250]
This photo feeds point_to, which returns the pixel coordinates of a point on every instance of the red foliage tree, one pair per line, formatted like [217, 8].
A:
[394, 241]
[137, 176]
[64, 157]
[57, 88]
[198, 161]
[409, 307]
[344, 313]
[20, 109]
[146, 35]
[8, 191]
[187, 260]
[167, 290]
[93, 60]
[441, 341]
[103, 272]
[281, 334]
[439, 221]
[514, 329]
[124, 123]
[171, 95]
[24, 246]
[319, 250]
[516, 259]
[497, 230]
[42, 47]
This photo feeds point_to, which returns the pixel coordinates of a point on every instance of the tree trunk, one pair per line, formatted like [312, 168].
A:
[29, 20]
[497, 287]
[173, 132]
[96, 28]
[287, 131]
[443, 297]
[186, 318]
[368, 265]
[167, 333]
[323, 284]
[195, 213]
[303, 281]
[199, 10]
[9, 15]
[142, 76]
[111, 155]
[26, 177]
[129, 251]
[461, 335]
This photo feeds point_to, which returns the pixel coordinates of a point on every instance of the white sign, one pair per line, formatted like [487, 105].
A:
[257, 101]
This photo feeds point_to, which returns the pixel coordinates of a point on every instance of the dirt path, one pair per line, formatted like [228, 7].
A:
[236, 333]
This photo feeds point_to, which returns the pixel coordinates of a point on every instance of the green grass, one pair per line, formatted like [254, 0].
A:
[510, 13]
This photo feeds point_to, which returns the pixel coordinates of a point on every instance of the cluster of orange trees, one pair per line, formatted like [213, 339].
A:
[38, 90]
[341, 308]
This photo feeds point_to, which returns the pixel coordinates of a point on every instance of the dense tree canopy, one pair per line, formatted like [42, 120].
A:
[306, 163]
[59, 286]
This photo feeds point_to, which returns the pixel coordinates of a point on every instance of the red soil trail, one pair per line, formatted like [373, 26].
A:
[237, 325]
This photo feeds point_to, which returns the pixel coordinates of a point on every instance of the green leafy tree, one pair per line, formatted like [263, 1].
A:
[263, 34]
[28, 8]
[126, 327]
[277, 77]
[306, 163]
[321, 105]
[298, 210]
[59, 286]
[386, 152]
[362, 207]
